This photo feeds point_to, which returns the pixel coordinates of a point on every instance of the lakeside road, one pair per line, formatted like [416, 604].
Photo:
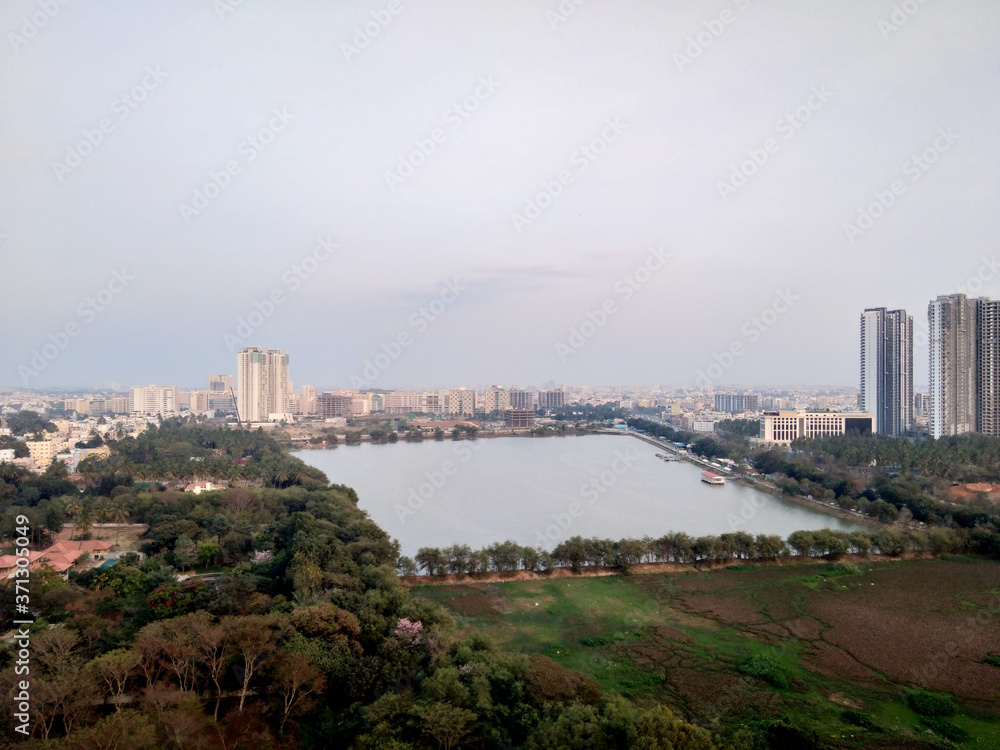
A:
[760, 486]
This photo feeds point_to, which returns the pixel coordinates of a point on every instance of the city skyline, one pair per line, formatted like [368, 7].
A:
[613, 195]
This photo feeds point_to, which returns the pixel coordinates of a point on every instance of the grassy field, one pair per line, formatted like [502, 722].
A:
[848, 651]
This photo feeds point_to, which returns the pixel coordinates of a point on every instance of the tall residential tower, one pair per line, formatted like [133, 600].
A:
[951, 321]
[988, 366]
[263, 383]
[887, 369]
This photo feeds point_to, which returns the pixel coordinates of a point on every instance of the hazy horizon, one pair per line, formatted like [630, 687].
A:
[491, 181]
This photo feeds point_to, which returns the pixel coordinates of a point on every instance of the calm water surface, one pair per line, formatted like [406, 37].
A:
[543, 490]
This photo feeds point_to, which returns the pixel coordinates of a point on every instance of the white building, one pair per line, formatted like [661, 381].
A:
[263, 383]
[782, 427]
[461, 402]
[496, 400]
[307, 402]
[151, 400]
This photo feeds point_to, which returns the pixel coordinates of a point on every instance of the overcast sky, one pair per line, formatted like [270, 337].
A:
[667, 99]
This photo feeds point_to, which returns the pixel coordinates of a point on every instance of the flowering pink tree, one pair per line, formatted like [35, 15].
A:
[409, 630]
[262, 557]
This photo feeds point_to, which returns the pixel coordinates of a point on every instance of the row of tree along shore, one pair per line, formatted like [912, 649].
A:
[578, 552]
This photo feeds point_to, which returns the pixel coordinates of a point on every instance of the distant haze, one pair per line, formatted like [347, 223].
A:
[529, 154]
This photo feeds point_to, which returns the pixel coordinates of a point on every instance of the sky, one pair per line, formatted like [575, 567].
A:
[438, 194]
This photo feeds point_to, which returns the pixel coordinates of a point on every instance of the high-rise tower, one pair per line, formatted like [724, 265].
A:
[887, 369]
[263, 383]
[951, 321]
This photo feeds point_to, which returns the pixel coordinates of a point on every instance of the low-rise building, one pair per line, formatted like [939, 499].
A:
[519, 418]
[60, 557]
[782, 427]
[43, 451]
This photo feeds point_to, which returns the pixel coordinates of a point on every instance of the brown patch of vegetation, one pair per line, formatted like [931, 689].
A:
[803, 628]
[910, 624]
[473, 605]
[547, 681]
[836, 664]
[732, 608]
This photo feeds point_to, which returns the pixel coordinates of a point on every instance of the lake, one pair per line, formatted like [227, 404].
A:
[540, 491]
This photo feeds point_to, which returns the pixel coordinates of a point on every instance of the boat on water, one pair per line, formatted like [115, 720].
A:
[709, 477]
[668, 457]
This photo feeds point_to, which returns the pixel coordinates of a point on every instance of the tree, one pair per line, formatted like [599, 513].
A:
[406, 566]
[125, 730]
[801, 543]
[431, 560]
[447, 724]
[458, 558]
[73, 510]
[253, 637]
[295, 678]
[207, 552]
[120, 514]
[113, 671]
[185, 552]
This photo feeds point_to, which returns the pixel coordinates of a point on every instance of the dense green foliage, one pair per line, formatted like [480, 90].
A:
[303, 638]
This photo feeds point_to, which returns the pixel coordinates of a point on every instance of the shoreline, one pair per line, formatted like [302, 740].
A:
[652, 568]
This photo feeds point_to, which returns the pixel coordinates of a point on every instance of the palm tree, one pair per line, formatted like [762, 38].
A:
[73, 509]
[85, 520]
[121, 514]
[102, 512]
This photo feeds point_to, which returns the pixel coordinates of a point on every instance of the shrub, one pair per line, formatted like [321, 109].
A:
[647, 682]
[947, 729]
[928, 704]
[993, 660]
[765, 668]
[605, 640]
[859, 719]
[845, 567]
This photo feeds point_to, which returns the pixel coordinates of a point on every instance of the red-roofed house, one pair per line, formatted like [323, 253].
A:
[61, 556]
